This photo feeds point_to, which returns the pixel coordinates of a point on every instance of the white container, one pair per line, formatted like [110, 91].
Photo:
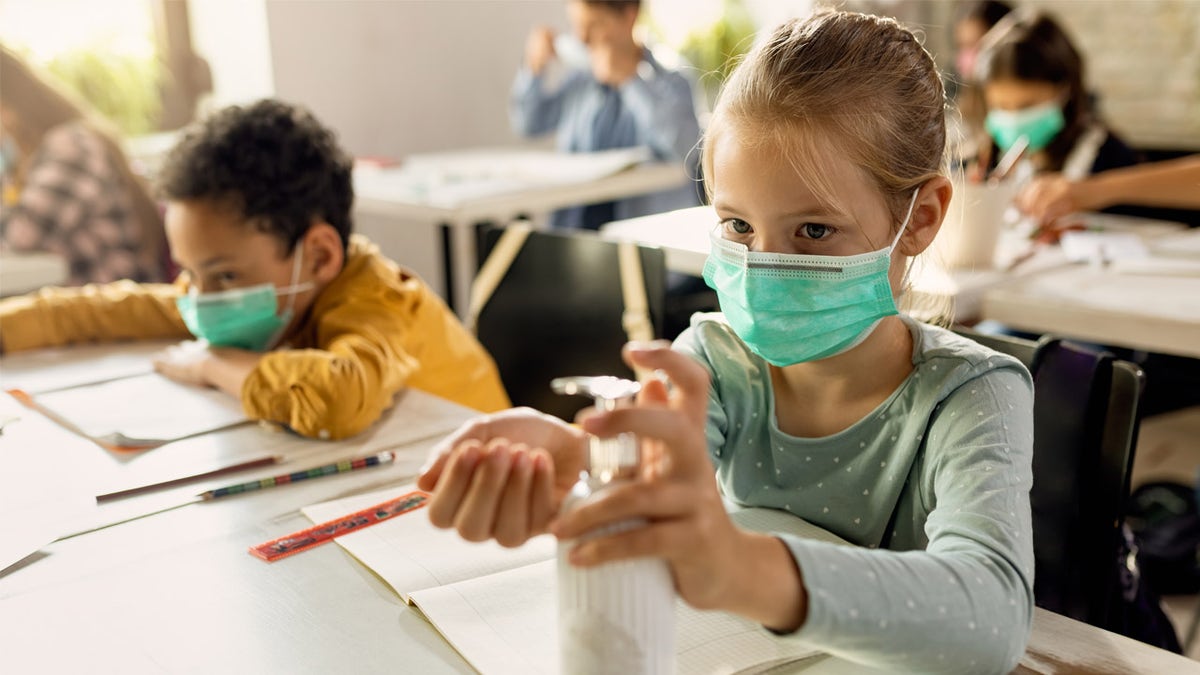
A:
[619, 617]
[977, 214]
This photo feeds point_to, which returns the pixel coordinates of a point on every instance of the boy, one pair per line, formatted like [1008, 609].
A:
[626, 98]
[311, 327]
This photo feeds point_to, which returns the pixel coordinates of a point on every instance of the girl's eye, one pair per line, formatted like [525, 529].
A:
[737, 226]
[227, 277]
[816, 230]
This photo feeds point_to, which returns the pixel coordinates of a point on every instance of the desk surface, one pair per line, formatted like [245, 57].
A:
[178, 592]
[1157, 312]
[25, 272]
[461, 189]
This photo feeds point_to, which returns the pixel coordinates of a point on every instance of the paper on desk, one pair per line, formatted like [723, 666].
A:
[38, 372]
[451, 179]
[1180, 245]
[1088, 246]
[410, 554]
[144, 410]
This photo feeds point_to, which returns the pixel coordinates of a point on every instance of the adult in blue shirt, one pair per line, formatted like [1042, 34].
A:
[620, 96]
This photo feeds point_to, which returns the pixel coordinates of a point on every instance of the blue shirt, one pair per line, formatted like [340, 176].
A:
[654, 109]
[933, 486]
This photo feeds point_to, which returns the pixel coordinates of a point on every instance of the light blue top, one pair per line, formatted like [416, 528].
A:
[655, 109]
[945, 459]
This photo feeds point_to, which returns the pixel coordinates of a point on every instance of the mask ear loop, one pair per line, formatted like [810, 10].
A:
[294, 288]
[912, 203]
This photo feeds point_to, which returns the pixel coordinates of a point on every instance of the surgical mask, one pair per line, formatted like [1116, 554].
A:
[246, 318]
[1039, 124]
[791, 308]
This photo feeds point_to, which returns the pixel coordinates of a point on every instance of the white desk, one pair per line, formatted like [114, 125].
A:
[25, 272]
[1158, 313]
[459, 190]
[178, 592]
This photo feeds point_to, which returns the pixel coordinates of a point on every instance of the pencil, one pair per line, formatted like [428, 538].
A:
[315, 472]
[241, 488]
[240, 466]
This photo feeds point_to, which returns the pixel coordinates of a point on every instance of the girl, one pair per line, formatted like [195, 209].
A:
[1033, 86]
[810, 393]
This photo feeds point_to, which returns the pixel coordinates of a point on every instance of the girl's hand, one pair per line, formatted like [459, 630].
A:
[503, 476]
[713, 563]
[1048, 198]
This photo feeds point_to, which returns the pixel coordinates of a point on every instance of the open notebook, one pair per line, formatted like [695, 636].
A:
[498, 606]
[137, 412]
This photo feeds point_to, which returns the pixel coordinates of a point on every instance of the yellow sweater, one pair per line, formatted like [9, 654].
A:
[372, 331]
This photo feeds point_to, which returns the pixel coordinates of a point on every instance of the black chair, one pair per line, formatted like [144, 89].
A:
[1085, 431]
[558, 311]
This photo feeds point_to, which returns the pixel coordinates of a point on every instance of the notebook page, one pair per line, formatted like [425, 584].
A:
[410, 554]
[507, 623]
[45, 370]
[143, 408]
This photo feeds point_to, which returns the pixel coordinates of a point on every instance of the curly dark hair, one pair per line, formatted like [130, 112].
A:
[272, 161]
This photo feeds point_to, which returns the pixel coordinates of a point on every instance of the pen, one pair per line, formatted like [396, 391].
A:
[344, 466]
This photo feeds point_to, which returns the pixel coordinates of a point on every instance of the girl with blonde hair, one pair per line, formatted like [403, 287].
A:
[810, 393]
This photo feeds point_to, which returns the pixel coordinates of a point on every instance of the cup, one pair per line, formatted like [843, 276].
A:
[973, 223]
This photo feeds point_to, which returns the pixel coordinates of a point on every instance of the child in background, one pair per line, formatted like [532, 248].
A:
[310, 326]
[1033, 87]
[621, 96]
[68, 187]
[811, 394]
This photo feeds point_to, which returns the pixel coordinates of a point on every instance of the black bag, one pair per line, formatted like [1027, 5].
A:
[1166, 525]
[1138, 613]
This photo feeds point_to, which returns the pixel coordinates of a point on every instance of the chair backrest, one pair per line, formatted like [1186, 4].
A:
[558, 311]
[1085, 432]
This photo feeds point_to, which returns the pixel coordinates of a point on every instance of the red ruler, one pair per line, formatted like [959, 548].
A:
[319, 534]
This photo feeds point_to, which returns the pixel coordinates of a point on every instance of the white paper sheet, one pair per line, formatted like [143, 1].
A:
[142, 410]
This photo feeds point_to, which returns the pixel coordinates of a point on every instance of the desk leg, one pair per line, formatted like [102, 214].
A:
[460, 270]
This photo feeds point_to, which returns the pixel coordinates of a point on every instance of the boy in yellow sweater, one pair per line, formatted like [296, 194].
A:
[310, 326]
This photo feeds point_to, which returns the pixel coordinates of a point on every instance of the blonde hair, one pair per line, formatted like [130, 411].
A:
[840, 84]
[859, 84]
[40, 106]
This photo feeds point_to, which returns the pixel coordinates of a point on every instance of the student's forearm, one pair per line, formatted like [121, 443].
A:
[228, 369]
[1174, 183]
[770, 589]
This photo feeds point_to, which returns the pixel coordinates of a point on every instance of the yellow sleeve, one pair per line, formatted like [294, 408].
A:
[123, 310]
[344, 384]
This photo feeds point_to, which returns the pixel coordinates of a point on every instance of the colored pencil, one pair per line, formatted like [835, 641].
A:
[241, 488]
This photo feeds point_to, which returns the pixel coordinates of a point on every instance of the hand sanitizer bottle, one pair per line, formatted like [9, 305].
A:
[618, 617]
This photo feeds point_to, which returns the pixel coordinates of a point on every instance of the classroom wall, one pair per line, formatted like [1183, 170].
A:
[400, 77]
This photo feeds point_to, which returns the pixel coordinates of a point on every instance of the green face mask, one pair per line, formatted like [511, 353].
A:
[245, 318]
[1039, 123]
[791, 308]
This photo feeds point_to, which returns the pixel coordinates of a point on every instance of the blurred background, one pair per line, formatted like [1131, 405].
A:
[395, 77]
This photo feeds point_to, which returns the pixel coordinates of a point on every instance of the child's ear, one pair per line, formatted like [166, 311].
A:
[323, 252]
[933, 199]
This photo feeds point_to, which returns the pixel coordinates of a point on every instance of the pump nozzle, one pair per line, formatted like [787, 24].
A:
[608, 458]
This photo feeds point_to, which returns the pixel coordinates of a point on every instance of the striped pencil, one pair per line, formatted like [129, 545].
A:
[343, 466]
